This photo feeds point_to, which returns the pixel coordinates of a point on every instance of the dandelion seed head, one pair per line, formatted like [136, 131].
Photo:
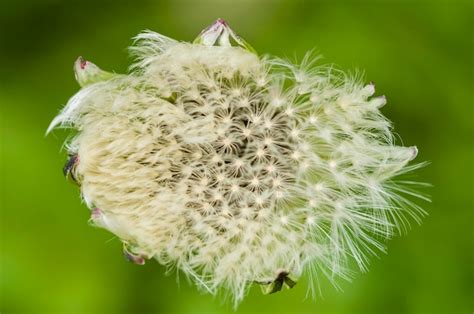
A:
[224, 164]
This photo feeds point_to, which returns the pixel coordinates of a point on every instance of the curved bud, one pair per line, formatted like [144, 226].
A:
[220, 34]
[87, 72]
[69, 169]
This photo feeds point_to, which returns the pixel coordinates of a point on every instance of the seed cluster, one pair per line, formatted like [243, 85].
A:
[236, 168]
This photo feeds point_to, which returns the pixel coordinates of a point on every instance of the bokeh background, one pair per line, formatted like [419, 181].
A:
[419, 54]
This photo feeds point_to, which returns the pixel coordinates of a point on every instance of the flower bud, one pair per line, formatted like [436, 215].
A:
[220, 34]
[69, 169]
[87, 73]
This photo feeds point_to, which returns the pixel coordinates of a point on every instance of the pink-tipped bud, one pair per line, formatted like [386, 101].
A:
[378, 102]
[219, 33]
[97, 219]
[87, 72]
[96, 213]
[414, 152]
[368, 90]
[132, 257]
[82, 62]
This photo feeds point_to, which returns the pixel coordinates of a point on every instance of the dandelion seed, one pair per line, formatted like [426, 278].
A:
[268, 124]
[234, 188]
[202, 155]
[220, 177]
[268, 141]
[295, 133]
[271, 168]
[247, 132]
[319, 187]
[296, 155]
[216, 158]
[289, 111]
[313, 119]
[259, 200]
[277, 102]
[255, 181]
[310, 220]
[260, 153]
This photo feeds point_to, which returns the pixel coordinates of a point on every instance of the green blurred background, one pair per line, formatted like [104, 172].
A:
[419, 54]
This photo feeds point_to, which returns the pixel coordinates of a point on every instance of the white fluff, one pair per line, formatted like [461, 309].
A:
[233, 167]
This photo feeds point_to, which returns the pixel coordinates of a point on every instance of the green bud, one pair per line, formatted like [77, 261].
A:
[87, 73]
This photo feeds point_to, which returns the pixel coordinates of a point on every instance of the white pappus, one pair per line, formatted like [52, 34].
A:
[234, 168]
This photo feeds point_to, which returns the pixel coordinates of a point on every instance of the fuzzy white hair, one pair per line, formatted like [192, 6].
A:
[235, 168]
